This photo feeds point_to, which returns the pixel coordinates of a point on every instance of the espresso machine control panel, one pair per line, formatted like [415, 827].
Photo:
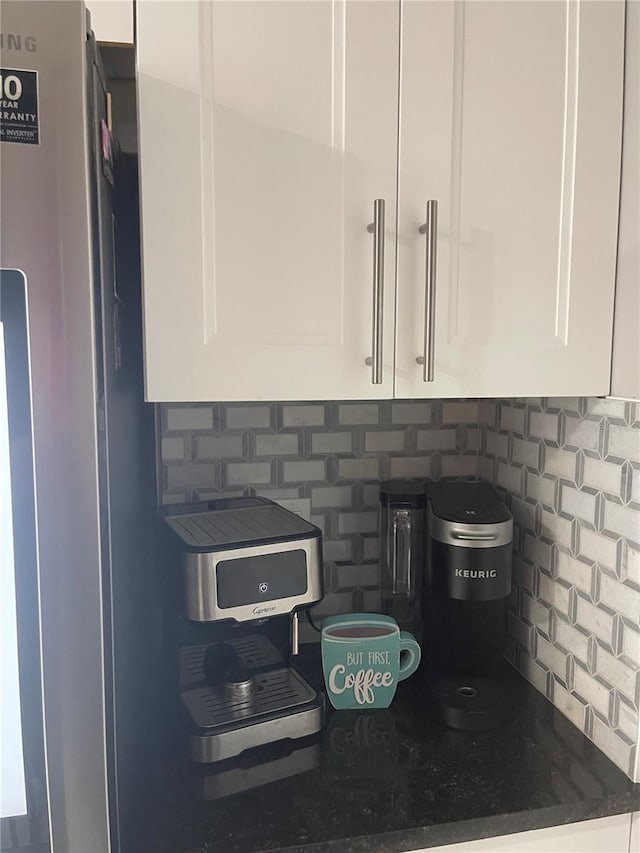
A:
[247, 558]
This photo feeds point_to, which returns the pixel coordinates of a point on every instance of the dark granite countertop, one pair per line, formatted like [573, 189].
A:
[392, 780]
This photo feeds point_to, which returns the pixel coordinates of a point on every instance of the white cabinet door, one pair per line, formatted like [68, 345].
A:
[267, 129]
[511, 120]
[625, 369]
[604, 835]
[112, 20]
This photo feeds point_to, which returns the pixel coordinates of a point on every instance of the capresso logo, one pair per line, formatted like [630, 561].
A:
[260, 611]
[476, 573]
[18, 41]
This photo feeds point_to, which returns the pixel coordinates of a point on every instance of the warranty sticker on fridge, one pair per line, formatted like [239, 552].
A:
[19, 106]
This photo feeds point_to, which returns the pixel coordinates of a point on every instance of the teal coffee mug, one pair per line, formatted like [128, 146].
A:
[364, 656]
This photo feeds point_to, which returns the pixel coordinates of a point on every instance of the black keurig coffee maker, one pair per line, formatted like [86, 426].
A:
[469, 547]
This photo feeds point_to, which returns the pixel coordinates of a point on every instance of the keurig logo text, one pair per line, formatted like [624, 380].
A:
[476, 573]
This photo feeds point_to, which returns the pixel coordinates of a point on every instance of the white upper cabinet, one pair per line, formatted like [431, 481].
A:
[112, 20]
[267, 130]
[511, 121]
[625, 370]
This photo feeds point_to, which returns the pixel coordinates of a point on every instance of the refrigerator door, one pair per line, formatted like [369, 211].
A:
[46, 233]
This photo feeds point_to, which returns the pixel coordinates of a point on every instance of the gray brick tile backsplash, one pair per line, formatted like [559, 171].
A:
[625, 717]
[525, 452]
[524, 514]
[540, 489]
[322, 460]
[412, 413]
[358, 522]
[560, 463]
[359, 469]
[623, 520]
[301, 506]
[568, 468]
[580, 504]
[574, 572]
[595, 619]
[544, 425]
[188, 417]
[550, 656]
[572, 640]
[599, 547]
[173, 449]
[487, 412]
[606, 739]
[536, 613]
[460, 413]
[247, 473]
[510, 478]
[585, 434]
[458, 466]
[587, 544]
[332, 496]
[331, 442]
[300, 416]
[282, 494]
[409, 466]
[631, 645]
[393, 440]
[358, 413]
[567, 703]
[520, 631]
[189, 475]
[629, 568]
[574, 405]
[618, 674]
[245, 417]
[620, 597]
[538, 552]
[370, 495]
[553, 594]
[219, 447]
[556, 528]
[436, 439]
[602, 475]
[634, 487]
[512, 418]
[497, 445]
[312, 470]
[536, 672]
[591, 691]
[609, 408]
[285, 443]
[470, 438]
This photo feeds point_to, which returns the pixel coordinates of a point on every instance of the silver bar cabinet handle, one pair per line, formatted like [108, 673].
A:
[430, 228]
[377, 229]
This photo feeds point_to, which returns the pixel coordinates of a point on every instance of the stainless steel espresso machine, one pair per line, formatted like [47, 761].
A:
[246, 563]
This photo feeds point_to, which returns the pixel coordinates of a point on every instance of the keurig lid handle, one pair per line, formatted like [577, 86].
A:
[473, 537]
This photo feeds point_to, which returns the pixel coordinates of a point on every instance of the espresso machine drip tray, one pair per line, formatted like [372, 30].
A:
[255, 701]
[278, 691]
[264, 708]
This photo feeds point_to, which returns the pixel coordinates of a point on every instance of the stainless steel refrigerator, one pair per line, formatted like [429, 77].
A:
[78, 484]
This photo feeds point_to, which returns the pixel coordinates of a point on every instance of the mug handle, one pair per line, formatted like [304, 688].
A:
[410, 645]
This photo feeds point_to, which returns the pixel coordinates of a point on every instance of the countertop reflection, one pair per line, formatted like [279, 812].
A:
[386, 780]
